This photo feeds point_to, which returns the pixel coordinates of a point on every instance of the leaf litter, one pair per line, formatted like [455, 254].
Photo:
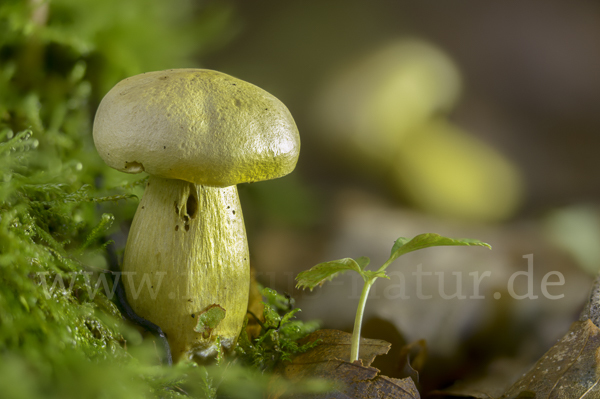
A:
[568, 370]
[330, 360]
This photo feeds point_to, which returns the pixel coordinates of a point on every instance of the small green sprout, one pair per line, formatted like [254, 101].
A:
[322, 272]
[279, 335]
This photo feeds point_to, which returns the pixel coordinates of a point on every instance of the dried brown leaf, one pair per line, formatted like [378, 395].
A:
[568, 370]
[336, 344]
[329, 360]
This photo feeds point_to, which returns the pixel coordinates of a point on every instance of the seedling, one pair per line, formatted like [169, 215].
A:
[322, 272]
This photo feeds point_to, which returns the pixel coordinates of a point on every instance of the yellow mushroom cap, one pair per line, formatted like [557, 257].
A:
[196, 125]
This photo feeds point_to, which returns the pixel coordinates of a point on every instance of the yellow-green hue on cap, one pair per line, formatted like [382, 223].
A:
[196, 125]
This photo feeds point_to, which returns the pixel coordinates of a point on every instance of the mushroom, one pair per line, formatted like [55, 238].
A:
[197, 133]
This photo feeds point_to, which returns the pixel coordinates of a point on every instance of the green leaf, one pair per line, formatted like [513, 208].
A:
[398, 243]
[372, 275]
[403, 246]
[322, 272]
[363, 262]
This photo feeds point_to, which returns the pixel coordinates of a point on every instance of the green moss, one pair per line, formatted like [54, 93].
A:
[278, 335]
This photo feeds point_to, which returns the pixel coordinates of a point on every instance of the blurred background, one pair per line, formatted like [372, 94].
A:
[464, 118]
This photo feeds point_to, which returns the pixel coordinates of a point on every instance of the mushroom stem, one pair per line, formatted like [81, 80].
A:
[186, 251]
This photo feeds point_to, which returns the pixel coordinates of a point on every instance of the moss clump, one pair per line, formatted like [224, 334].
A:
[279, 333]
